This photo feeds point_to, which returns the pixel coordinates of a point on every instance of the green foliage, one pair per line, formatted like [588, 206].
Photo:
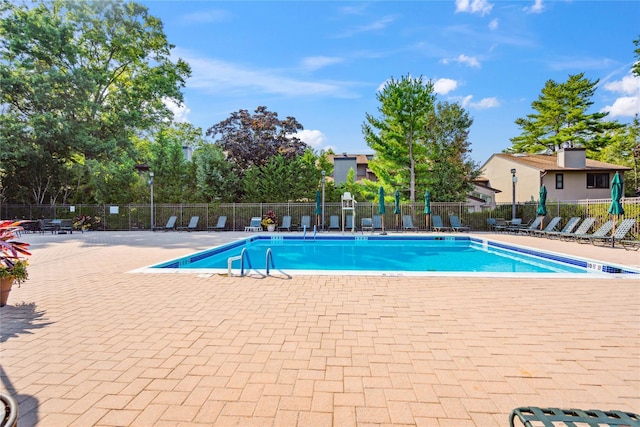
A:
[398, 135]
[215, 178]
[78, 79]
[561, 119]
[624, 150]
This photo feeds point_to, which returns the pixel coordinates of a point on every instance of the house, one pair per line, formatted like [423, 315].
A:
[567, 175]
[342, 163]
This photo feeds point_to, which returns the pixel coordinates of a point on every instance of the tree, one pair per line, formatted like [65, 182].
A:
[561, 119]
[78, 79]
[624, 149]
[451, 171]
[215, 179]
[253, 139]
[398, 135]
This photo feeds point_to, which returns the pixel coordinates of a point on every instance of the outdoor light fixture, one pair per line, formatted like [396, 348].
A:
[514, 179]
[323, 177]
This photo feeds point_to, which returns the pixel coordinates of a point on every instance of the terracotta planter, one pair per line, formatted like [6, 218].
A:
[5, 287]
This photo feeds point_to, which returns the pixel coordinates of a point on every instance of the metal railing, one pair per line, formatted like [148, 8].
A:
[138, 216]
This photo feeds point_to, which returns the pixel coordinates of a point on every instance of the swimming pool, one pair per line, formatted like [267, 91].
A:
[389, 255]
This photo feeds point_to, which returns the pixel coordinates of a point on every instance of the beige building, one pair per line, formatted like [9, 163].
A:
[567, 175]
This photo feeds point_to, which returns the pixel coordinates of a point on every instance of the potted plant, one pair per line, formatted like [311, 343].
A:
[13, 265]
[269, 221]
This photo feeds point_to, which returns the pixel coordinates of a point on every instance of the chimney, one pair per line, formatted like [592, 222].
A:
[574, 158]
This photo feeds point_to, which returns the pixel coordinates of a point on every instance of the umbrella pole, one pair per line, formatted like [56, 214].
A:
[426, 220]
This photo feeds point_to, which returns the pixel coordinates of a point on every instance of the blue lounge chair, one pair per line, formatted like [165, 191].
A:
[366, 224]
[220, 226]
[254, 224]
[436, 220]
[568, 228]
[171, 224]
[305, 223]
[456, 225]
[349, 223]
[193, 224]
[407, 223]
[334, 222]
[550, 227]
[582, 229]
[599, 233]
[286, 223]
[377, 222]
[620, 233]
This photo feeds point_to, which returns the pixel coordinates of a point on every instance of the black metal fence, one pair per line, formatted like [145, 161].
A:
[138, 216]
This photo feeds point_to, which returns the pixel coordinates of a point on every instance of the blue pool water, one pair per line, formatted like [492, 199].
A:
[384, 254]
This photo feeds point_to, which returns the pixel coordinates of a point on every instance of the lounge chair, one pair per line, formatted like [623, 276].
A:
[568, 228]
[171, 224]
[377, 222]
[66, 225]
[582, 229]
[349, 223]
[407, 223]
[599, 233]
[366, 224]
[286, 223]
[456, 225]
[436, 220]
[334, 222]
[491, 224]
[220, 226]
[254, 225]
[193, 224]
[517, 226]
[501, 225]
[630, 244]
[550, 227]
[305, 223]
[532, 415]
[620, 233]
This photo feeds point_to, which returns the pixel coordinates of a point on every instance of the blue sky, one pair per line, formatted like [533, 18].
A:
[322, 62]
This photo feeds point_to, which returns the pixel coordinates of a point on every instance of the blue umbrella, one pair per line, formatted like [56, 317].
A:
[381, 207]
[616, 208]
[542, 208]
[427, 207]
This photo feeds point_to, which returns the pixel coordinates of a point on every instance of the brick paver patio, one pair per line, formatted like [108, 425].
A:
[84, 342]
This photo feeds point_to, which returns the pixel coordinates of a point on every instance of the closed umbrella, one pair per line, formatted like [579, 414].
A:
[616, 208]
[381, 208]
[427, 208]
[318, 208]
[542, 208]
[396, 206]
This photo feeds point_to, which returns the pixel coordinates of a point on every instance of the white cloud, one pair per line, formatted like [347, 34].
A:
[204, 17]
[444, 86]
[313, 63]
[481, 7]
[180, 112]
[483, 104]
[380, 24]
[627, 105]
[493, 25]
[218, 77]
[468, 60]
[537, 7]
[314, 138]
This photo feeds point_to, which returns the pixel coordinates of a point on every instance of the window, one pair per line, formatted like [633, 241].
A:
[597, 180]
[559, 181]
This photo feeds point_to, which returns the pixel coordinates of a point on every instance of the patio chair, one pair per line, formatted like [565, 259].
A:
[456, 225]
[582, 229]
[501, 225]
[254, 225]
[220, 226]
[600, 232]
[568, 228]
[630, 244]
[286, 223]
[305, 223]
[171, 224]
[407, 223]
[349, 223]
[366, 224]
[531, 415]
[491, 224]
[620, 233]
[334, 222]
[550, 227]
[193, 224]
[377, 222]
[517, 226]
[66, 225]
[437, 225]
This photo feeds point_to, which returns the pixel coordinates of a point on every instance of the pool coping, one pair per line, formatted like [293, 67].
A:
[595, 268]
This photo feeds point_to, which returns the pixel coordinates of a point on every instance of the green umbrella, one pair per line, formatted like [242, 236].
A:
[427, 207]
[381, 207]
[318, 207]
[616, 208]
[542, 208]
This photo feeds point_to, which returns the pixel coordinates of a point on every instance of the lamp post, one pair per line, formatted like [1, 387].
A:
[514, 179]
[323, 177]
[151, 185]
